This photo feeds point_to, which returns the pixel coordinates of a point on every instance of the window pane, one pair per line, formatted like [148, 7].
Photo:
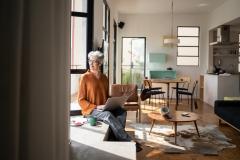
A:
[188, 41]
[133, 51]
[188, 31]
[138, 50]
[106, 56]
[104, 16]
[107, 20]
[74, 91]
[126, 51]
[132, 75]
[79, 6]
[78, 42]
[187, 61]
[239, 39]
[187, 51]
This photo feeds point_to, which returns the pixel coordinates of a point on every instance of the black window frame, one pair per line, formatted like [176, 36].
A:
[145, 54]
[198, 56]
[89, 15]
[238, 53]
[89, 38]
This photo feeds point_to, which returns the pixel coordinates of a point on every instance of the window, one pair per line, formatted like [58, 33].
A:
[133, 60]
[81, 39]
[188, 48]
[106, 36]
[81, 44]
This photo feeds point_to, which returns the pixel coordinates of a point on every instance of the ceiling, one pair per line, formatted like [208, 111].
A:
[164, 6]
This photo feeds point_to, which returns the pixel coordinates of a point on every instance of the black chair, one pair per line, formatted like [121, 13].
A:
[184, 87]
[152, 91]
[194, 90]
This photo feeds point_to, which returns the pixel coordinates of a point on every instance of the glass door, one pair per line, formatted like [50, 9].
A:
[133, 60]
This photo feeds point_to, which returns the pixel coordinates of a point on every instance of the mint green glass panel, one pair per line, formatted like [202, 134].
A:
[157, 58]
[163, 74]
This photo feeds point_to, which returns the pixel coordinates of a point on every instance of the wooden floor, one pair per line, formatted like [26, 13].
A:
[206, 117]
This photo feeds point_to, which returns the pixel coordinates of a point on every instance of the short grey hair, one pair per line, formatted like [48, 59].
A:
[96, 55]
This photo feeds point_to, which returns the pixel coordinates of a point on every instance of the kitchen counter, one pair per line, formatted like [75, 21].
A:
[216, 87]
[224, 74]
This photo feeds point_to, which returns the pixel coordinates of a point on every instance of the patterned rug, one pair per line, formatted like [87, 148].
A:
[210, 142]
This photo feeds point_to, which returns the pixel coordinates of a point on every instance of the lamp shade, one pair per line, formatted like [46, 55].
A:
[170, 40]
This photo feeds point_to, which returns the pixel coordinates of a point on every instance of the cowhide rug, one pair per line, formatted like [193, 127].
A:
[210, 142]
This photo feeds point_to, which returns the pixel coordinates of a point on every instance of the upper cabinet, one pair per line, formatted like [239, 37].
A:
[224, 49]
[157, 58]
[220, 35]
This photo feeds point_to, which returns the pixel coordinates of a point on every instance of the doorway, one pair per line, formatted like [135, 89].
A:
[133, 60]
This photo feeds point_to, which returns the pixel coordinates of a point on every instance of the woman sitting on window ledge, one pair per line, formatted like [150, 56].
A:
[92, 95]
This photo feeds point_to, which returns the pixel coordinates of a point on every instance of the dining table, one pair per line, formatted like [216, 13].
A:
[168, 81]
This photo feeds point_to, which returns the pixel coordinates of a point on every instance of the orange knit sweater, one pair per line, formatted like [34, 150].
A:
[93, 91]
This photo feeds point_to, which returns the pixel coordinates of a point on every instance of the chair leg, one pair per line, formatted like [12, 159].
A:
[155, 100]
[139, 116]
[144, 104]
[195, 104]
[171, 95]
[164, 101]
[219, 121]
[179, 98]
[191, 103]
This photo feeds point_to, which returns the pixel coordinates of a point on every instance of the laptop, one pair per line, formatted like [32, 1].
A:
[116, 102]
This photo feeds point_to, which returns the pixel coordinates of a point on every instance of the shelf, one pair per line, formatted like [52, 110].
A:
[225, 55]
[231, 45]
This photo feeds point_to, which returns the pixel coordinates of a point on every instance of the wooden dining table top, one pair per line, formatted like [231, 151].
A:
[166, 80]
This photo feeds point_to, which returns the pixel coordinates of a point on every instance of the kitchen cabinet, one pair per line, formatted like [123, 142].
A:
[224, 49]
[216, 87]
[225, 56]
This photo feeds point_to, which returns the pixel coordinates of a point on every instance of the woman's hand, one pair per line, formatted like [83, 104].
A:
[100, 107]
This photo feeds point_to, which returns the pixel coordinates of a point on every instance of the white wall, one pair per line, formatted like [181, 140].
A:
[228, 11]
[98, 23]
[153, 27]
[113, 16]
[225, 13]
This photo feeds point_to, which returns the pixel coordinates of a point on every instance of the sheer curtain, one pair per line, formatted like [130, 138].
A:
[35, 78]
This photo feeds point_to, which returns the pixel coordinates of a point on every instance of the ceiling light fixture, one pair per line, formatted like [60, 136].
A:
[171, 39]
[202, 4]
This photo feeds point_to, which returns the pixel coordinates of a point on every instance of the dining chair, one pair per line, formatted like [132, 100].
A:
[133, 103]
[191, 94]
[186, 80]
[153, 91]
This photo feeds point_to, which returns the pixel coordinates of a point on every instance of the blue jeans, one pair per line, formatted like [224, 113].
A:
[116, 119]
